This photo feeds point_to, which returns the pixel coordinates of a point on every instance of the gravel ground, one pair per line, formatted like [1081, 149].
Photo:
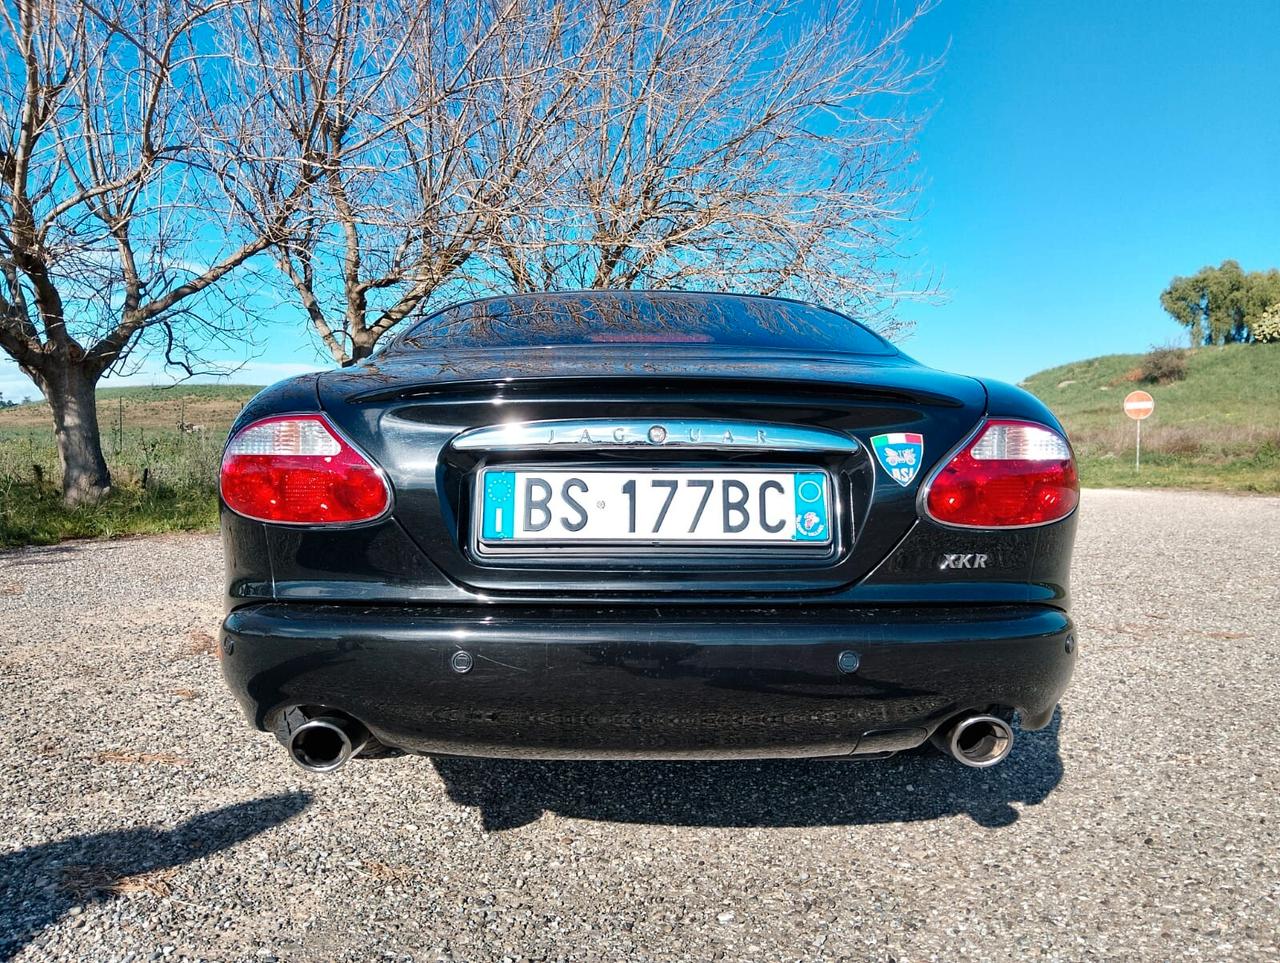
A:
[144, 820]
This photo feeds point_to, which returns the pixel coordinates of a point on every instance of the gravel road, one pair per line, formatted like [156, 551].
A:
[144, 820]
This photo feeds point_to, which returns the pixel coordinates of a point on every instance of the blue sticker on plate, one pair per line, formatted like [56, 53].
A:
[812, 522]
[499, 505]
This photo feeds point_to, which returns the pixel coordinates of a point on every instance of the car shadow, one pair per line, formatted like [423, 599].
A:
[912, 786]
[42, 883]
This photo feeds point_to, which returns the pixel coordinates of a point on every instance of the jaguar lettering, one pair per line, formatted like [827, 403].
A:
[592, 433]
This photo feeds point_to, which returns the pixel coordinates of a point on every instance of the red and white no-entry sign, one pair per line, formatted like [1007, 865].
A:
[1139, 405]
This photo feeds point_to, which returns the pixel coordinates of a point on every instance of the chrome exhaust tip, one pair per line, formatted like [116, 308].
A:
[326, 743]
[980, 741]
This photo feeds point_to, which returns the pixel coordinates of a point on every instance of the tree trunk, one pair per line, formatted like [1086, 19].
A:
[362, 344]
[71, 395]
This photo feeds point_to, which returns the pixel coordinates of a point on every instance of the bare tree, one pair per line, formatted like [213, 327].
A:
[480, 145]
[732, 144]
[109, 237]
[426, 118]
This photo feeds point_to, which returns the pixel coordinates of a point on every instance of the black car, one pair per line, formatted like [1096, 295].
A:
[604, 525]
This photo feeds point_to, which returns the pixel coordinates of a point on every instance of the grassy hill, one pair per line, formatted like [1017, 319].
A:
[1219, 428]
[146, 406]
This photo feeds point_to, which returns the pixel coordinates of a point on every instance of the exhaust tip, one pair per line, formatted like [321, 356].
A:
[979, 741]
[326, 743]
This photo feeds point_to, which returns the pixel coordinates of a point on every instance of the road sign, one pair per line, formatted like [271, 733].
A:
[1138, 405]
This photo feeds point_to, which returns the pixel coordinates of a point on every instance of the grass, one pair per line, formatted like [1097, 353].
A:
[164, 478]
[35, 515]
[1217, 429]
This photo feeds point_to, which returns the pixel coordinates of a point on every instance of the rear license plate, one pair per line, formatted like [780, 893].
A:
[532, 506]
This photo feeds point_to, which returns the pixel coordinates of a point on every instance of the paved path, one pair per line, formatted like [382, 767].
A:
[142, 816]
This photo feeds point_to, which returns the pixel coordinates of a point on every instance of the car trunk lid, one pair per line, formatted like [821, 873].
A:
[408, 410]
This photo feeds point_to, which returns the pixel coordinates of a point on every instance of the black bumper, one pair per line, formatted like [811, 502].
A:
[593, 683]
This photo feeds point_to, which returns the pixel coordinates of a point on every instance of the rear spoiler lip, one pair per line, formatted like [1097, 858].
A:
[532, 371]
[485, 390]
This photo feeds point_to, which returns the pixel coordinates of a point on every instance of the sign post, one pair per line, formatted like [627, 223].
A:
[1138, 405]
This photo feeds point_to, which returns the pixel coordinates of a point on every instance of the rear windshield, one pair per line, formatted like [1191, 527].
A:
[633, 317]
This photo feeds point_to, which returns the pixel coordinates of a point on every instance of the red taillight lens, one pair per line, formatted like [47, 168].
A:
[1013, 473]
[296, 469]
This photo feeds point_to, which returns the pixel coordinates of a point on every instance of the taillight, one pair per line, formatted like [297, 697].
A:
[298, 470]
[1013, 473]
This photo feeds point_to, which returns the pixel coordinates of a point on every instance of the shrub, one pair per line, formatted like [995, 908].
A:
[1164, 365]
[1132, 376]
[1267, 327]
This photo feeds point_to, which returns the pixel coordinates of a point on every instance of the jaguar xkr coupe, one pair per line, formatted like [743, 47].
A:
[664, 525]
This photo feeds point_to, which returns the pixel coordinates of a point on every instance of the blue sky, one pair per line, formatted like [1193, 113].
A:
[1079, 154]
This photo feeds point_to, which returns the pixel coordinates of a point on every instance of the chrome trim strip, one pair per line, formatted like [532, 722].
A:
[588, 434]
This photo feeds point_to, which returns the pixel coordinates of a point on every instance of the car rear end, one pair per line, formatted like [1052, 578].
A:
[655, 539]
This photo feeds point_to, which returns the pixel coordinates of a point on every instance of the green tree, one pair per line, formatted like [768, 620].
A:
[1220, 305]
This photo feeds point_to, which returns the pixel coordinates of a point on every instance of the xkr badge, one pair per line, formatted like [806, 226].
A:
[901, 453]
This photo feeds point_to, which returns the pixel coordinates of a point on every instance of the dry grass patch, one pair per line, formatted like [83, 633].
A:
[87, 882]
[383, 871]
[201, 642]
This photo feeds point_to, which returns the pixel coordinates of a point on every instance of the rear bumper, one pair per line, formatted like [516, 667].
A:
[635, 682]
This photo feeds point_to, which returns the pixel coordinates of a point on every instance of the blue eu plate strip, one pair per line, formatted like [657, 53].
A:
[812, 521]
[499, 504]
